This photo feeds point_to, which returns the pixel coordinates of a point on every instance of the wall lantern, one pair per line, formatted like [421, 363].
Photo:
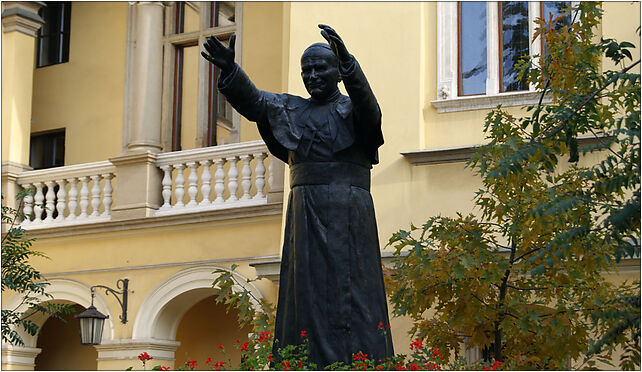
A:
[92, 320]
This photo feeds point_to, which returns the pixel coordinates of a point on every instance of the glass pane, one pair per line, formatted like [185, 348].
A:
[191, 20]
[191, 56]
[472, 48]
[555, 9]
[224, 13]
[514, 33]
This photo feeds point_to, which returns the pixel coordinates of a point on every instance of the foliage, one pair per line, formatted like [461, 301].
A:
[522, 279]
[256, 353]
[19, 276]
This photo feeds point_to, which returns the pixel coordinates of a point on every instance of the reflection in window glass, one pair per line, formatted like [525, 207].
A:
[472, 48]
[554, 9]
[514, 43]
[223, 13]
[53, 36]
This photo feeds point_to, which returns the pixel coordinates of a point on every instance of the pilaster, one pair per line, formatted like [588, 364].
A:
[138, 191]
[121, 354]
[10, 187]
[20, 24]
[18, 358]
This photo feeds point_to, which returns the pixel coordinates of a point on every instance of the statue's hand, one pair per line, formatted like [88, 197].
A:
[337, 45]
[219, 54]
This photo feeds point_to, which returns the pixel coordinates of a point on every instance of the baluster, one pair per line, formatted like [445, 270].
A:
[95, 195]
[167, 187]
[73, 198]
[28, 207]
[219, 176]
[246, 176]
[260, 175]
[193, 182]
[50, 206]
[38, 199]
[206, 179]
[61, 205]
[107, 190]
[180, 186]
[232, 182]
[84, 197]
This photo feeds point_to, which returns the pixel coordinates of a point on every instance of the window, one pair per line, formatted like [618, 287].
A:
[47, 150]
[53, 36]
[197, 115]
[479, 46]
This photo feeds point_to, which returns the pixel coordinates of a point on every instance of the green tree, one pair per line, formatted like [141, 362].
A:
[19, 276]
[522, 278]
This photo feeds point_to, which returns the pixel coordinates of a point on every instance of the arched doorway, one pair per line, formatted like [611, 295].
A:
[203, 327]
[61, 348]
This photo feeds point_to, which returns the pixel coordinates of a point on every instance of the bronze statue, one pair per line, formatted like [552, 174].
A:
[331, 279]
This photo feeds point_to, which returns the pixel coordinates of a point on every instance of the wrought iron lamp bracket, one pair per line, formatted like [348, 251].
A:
[122, 284]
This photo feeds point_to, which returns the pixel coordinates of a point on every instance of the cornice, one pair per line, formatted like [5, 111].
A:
[93, 227]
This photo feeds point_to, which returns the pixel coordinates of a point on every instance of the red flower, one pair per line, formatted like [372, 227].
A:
[400, 367]
[264, 336]
[244, 347]
[286, 366]
[191, 364]
[416, 345]
[299, 364]
[304, 334]
[380, 326]
[388, 326]
[144, 356]
[163, 368]
[209, 360]
[270, 357]
[220, 346]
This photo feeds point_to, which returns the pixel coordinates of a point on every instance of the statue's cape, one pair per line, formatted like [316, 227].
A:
[281, 117]
[286, 120]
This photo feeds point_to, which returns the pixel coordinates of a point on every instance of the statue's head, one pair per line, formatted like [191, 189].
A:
[320, 71]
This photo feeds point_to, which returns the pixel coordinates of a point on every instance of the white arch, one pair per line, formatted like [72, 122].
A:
[62, 290]
[163, 309]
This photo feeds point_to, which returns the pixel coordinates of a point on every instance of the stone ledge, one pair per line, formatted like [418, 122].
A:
[158, 221]
[487, 101]
[463, 153]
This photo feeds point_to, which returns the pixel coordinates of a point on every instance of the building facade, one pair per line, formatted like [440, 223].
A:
[146, 173]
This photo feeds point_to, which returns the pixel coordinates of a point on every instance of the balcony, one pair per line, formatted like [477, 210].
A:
[225, 181]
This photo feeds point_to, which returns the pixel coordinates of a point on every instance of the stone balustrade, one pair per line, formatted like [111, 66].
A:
[219, 177]
[226, 176]
[68, 195]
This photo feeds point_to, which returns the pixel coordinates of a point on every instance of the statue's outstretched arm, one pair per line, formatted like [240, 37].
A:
[364, 103]
[235, 85]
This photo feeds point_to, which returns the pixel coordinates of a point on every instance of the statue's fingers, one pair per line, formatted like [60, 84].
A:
[209, 48]
[207, 57]
[326, 36]
[232, 41]
[329, 30]
[214, 42]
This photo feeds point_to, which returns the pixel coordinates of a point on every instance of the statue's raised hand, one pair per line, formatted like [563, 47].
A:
[337, 45]
[219, 54]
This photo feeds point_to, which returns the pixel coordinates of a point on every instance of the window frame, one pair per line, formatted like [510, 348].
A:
[62, 35]
[448, 98]
[173, 46]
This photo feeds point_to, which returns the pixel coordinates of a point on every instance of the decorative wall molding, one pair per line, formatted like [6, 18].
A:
[19, 355]
[162, 310]
[45, 232]
[487, 101]
[463, 153]
[22, 16]
[125, 349]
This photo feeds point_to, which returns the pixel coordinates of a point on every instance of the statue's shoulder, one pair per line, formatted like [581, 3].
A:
[344, 106]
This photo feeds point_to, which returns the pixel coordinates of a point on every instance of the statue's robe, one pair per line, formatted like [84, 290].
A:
[331, 283]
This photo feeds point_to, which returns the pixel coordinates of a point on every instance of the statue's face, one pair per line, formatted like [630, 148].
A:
[320, 72]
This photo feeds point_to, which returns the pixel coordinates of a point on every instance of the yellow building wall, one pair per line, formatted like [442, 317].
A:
[262, 52]
[86, 95]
